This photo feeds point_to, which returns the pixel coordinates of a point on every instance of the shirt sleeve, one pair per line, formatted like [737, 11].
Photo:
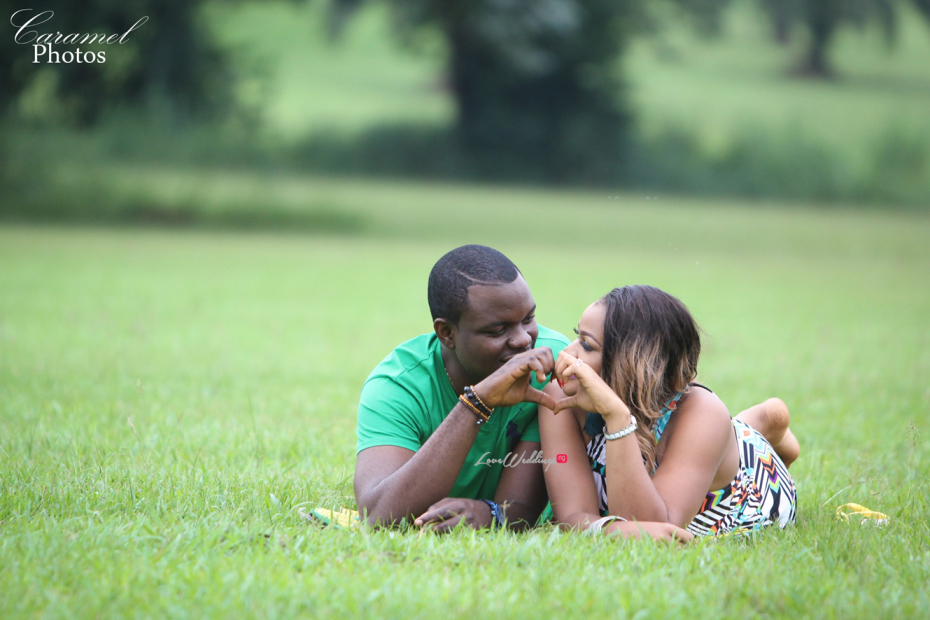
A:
[387, 416]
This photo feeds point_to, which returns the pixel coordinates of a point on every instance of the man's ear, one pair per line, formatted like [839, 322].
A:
[446, 332]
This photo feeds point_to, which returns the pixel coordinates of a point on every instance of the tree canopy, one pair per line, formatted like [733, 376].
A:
[170, 57]
[821, 19]
[536, 82]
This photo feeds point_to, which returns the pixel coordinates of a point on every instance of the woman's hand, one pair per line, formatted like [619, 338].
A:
[588, 392]
[657, 531]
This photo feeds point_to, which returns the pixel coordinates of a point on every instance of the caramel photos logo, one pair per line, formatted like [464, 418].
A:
[43, 43]
[513, 459]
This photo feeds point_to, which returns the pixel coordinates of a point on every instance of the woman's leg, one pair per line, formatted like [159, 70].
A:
[771, 420]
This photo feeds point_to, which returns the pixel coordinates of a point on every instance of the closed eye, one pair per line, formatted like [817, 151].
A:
[584, 345]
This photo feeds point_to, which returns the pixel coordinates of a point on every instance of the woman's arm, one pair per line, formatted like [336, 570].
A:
[570, 484]
[656, 531]
[701, 455]
[696, 447]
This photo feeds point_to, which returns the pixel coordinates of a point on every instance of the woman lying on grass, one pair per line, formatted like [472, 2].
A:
[663, 450]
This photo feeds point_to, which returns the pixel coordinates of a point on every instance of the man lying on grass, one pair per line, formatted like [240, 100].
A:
[427, 448]
[439, 417]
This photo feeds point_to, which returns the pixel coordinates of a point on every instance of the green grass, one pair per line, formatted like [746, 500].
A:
[169, 400]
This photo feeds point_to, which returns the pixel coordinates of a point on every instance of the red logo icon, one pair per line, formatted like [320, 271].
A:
[561, 458]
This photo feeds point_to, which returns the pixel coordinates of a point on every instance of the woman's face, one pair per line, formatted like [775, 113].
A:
[588, 345]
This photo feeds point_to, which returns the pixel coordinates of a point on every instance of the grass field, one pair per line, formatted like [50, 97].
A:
[170, 399]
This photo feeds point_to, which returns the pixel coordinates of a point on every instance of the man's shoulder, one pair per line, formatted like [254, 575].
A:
[552, 339]
[409, 362]
[396, 399]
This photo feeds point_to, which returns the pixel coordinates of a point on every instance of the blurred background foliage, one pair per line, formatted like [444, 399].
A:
[783, 99]
[171, 60]
[534, 82]
[822, 19]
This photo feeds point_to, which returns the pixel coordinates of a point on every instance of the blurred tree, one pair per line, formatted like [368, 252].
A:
[170, 59]
[535, 81]
[822, 18]
[782, 14]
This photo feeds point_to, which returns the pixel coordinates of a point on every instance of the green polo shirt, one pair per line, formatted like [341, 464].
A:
[407, 396]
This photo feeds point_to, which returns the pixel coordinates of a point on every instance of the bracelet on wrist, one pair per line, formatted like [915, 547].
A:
[623, 432]
[497, 513]
[476, 401]
[481, 417]
[472, 394]
[595, 528]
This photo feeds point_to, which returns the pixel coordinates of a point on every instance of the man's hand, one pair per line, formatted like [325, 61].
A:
[449, 512]
[510, 384]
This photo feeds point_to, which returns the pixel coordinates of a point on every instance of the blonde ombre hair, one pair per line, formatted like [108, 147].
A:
[650, 353]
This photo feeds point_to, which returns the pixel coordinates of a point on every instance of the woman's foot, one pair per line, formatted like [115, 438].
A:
[771, 419]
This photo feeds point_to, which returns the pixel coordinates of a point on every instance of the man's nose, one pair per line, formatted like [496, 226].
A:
[521, 339]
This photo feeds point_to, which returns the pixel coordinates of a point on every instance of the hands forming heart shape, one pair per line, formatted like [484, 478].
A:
[584, 388]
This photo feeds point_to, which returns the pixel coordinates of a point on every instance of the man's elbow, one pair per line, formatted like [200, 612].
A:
[376, 513]
[376, 518]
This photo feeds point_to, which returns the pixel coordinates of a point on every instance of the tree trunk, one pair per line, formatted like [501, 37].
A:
[464, 85]
[782, 30]
[544, 126]
[822, 24]
[783, 15]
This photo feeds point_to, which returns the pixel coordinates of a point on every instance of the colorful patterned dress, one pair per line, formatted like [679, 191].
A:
[762, 492]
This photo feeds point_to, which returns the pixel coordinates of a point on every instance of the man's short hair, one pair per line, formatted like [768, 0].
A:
[466, 266]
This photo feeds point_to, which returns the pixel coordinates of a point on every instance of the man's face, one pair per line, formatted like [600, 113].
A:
[499, 322]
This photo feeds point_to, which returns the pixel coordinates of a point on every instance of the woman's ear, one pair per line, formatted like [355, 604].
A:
[446, 332]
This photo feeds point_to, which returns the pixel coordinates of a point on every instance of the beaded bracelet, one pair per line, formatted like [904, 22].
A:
[472, 394]
[496, 513]
[477, 402]
[481, 417]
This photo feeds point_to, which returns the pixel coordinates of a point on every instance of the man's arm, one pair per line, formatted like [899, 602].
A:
[523, 489]
[392, 483]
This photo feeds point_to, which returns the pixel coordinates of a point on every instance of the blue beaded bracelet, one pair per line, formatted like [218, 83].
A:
[496, 512]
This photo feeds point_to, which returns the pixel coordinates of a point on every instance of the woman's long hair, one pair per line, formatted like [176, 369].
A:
[651, 349]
